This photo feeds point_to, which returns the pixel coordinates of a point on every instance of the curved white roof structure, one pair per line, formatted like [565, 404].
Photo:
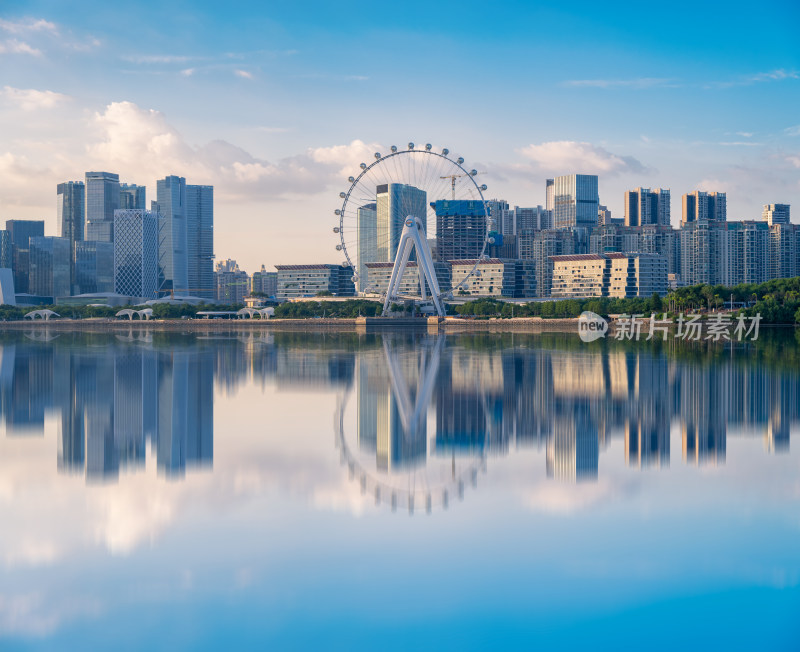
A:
[41, 314]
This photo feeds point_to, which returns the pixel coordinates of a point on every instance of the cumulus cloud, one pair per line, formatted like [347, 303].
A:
[29, 99]
[243, 74]
[568, 155]
[142, 144]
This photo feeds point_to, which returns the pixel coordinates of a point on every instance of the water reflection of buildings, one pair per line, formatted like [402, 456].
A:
[113, 402]
[438, 400]
[573, 403]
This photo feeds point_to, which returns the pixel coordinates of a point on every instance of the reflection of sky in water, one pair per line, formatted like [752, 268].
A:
[629, 495]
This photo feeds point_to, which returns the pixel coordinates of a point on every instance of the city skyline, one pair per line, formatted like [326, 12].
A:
[235, 101]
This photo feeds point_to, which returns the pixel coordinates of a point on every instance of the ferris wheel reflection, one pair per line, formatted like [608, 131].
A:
[400, 451]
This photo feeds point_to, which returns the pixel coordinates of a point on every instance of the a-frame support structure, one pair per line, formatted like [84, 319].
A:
[414, 237]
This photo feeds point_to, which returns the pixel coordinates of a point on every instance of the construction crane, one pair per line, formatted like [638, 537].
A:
[453, 178]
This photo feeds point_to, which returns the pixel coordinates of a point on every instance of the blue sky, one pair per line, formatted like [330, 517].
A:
[275, 104]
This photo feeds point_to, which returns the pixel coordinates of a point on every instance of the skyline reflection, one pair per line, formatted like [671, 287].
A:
[420, 400]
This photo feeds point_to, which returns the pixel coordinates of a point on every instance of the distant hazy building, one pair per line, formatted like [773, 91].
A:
[200, 240]
[610, 275]
[20, 232]
[102, 199]
[576, 201]
[49, 267]
[136, 253]
[93, 267]
[708, 206]
[495, 277]
[395, 202]
[776, 214]
[132, 196]
[460, 228]
[643, 206]
[264, 282]
[232, 284]
[173, 242]
[309, 280]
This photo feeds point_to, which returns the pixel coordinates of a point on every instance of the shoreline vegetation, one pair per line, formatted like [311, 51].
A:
[777, 301]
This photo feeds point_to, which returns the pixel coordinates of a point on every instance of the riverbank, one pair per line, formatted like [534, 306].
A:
[527, 324]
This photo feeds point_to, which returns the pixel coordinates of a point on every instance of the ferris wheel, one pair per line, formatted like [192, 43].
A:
[389, 216]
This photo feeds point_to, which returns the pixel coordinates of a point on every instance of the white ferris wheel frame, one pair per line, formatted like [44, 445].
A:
[410, 237]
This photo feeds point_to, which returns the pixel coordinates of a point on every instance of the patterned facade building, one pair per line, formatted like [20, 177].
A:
[136, 252]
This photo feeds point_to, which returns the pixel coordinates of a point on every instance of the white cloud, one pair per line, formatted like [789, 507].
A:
[13, 46]
[760, 77]
[792, 131]
[29, 25]
[567, 156]
[29, 99]
[243, 74]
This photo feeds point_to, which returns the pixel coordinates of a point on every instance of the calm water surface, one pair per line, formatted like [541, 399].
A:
[337, 491]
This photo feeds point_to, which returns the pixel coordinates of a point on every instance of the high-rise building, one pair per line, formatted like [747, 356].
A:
[200, 240]
[102, 199]
[534, 217]
[725, 253]
[499, 216]
[550, 196]
[173, 242]
[776, 214]
[6, 250]
[603, 215]
[132, 196]
[93, 267]
[136, 253]
[643, 206]
[49, 272]
[264, 282]
[232, 284]
[71, 209]
[649, 239]
[394, 203]
[784, 250]
[367, 217]
[460, 228]
[709, 206]
[539, 246]
[576, 201]
[20, 232]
